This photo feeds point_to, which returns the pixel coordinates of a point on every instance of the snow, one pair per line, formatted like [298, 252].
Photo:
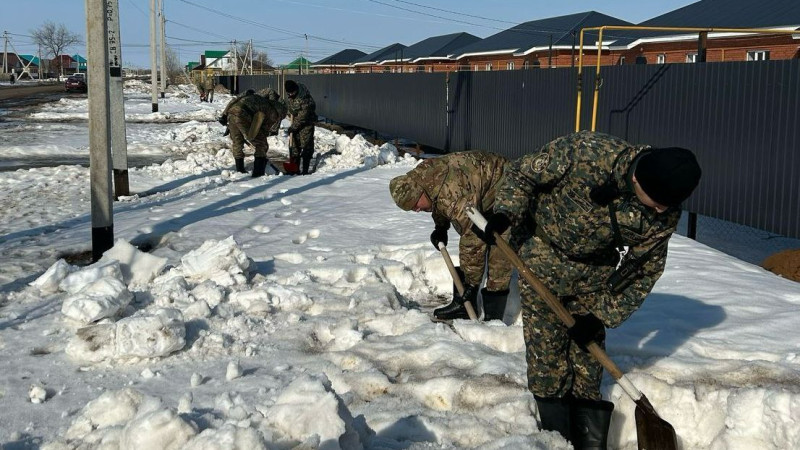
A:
[293, 312]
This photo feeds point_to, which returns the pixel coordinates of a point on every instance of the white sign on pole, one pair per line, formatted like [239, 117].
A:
[114, 42]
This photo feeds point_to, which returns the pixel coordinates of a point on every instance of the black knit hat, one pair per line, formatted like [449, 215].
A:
[667, 175]
[290, 86]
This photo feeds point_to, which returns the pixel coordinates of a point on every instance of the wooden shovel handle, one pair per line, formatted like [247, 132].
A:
[457, 281]
[552, 301]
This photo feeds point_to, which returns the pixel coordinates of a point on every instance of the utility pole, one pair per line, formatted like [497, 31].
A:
[163, 48]
[5, 51]
[153, 56]
[41, 62]
[99, 127]
[235, 68]
[119, 142]
[250, 47]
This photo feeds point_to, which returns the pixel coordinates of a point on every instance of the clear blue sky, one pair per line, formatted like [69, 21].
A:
[279, 26]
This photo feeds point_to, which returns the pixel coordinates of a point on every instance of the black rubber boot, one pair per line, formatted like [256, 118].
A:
[456, 308]
[494, 304]
[259, 166]
[590, 422]
[240, 165]
[555, 414]
[306, 159]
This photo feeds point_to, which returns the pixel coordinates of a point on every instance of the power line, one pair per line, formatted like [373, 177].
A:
[137, 7]
[531, 31]
[455, 12]
[197, 29]
[280, 30]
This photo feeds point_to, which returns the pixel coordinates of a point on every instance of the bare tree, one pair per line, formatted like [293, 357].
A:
[174, 67]
[55, 38]
[263, 58]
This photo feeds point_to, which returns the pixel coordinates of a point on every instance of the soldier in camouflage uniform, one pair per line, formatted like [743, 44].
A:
[278, 103]
[445, 186]
[208, 87]
[238, 116]
[303, 109]
[590, 194]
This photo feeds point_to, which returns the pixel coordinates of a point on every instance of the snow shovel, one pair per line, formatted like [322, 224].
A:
[653, 432]
[291, 167]
[457, 281]
[255, 125]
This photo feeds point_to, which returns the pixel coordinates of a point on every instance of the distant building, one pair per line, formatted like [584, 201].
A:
[433, 54]
[341, 62]
[80, 63]
[300, 65]
[550, 42]
[372, 62]
[661, 47]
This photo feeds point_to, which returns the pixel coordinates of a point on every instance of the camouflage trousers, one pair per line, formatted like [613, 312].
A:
[302, 143]
[239, 124]
[556, 365]
[473, 253]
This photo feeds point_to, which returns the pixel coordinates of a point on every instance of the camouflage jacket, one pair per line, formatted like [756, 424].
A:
[554, 185]
[248, 104]
[302, 108]
[277, 101]
[458, 180]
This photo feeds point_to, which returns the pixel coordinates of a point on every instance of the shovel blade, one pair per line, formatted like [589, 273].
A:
[653, 432]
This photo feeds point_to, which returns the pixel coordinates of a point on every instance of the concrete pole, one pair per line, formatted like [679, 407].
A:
[119, 142]
[163, 48]
[99, 128]
[5, 51]
[153, 56]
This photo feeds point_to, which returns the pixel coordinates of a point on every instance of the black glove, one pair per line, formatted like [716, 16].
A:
[496, 223]
[223, 120]
[586, 329]
[292, 129]
[439, 235]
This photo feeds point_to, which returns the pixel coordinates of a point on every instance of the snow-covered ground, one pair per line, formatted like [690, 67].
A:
[292, 312]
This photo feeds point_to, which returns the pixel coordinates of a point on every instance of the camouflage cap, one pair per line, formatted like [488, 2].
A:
[405, 192]
[268, 93]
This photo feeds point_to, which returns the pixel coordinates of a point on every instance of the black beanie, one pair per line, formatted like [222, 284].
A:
[667, 175]
[290, 86]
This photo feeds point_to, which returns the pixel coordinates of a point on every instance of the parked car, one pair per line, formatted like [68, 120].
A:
[75, 84]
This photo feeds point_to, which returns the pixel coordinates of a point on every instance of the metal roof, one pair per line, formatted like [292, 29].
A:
[719, 14]
[30, 58]
[390, 51]
[344, 57]
[215, 54]
[538, 33]
[439, 46]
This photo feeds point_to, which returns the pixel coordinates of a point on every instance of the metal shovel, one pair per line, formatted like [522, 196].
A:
[653, 432]
[457, 281]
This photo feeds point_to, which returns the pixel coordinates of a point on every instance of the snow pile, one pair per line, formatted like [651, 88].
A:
[357, 152]
[309, 411]
[198, 136]
[137, 268]
[143, 335]
[127, 420]
[222, 262]
[94, 293]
